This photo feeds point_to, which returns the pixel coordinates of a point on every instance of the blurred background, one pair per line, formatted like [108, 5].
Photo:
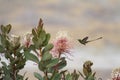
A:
[80, 18]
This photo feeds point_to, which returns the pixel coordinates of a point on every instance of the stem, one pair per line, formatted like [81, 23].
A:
[63, 76]
[45, 72]
[59, 55]
[37, 53]
[40, 52]
[14, 71]
[46, 75]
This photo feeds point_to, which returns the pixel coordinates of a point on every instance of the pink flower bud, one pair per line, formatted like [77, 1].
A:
[27, 40]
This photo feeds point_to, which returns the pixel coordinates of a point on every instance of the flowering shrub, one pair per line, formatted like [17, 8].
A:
[47, 56]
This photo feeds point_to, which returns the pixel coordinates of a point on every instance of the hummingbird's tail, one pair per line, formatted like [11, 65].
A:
[95, 39]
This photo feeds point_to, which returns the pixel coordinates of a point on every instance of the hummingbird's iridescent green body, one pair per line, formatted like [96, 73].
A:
[84, 41]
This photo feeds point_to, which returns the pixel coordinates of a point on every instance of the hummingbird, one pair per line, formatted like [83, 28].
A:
[85, 40]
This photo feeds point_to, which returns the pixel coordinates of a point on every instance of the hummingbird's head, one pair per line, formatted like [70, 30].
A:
[79, 40]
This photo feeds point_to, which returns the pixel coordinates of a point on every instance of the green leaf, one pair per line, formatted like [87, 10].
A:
[62, 64]
[32, 57]
[32, 47]
[47, 39]
[4, 64]
[40, 25]
[42, 35]
[46, 56]
[63, 72]
[56, 76]
[3, 29]
[52, 62]
[39, 42]
[7, 55]
[34, 32]
[8, 28]
[38, 76]
[91, 77]
[0, 37]
[34, 39]
[1, 49]
[15, 61]
[81, 75]
[41, 66]
[68, 77]
[75, 76]
[20, 64]
[48, 48]
[19, 77]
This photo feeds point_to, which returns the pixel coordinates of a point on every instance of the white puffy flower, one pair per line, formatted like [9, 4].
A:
[115, 74]
[62, 44]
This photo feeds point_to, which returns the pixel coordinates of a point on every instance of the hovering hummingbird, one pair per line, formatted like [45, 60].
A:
[84, 41]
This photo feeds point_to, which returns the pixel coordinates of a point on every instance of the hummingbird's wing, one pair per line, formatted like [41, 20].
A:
[85, 39]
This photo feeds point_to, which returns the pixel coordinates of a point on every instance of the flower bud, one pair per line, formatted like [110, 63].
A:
[15, 40]
[27, 40]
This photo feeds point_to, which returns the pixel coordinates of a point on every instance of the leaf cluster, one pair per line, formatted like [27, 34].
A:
[11, 49]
